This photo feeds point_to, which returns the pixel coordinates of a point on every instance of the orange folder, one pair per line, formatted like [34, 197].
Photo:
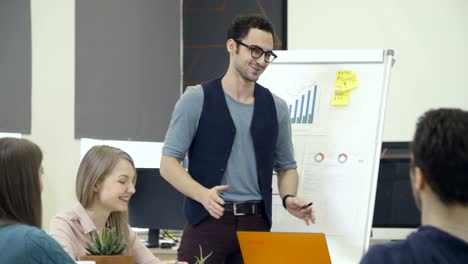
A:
[281, 248]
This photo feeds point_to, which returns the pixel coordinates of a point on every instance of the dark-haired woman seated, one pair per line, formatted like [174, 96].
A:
[21, 239]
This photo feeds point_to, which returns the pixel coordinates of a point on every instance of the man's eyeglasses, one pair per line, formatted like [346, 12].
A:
[257, 52]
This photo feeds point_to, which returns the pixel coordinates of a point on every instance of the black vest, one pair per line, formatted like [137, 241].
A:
[212, 144]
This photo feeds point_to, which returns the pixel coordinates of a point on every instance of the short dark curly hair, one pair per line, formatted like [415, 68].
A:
[241, 25]
[440, 150]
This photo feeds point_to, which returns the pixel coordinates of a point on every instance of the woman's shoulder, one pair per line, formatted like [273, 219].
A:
[65, 218]
[44, 249]
[18, 231]
[30, 244]
[36, 234]
[69, 215]
[29, 233]
[73, 218]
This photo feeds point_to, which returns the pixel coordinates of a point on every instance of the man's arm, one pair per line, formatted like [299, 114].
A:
[287, 184]
[285, 165]
[172, 171]
[179, 136]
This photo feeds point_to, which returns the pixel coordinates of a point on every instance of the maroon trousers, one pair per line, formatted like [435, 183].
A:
[219, 237]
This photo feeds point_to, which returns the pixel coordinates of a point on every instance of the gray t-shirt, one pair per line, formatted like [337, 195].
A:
[241, 171]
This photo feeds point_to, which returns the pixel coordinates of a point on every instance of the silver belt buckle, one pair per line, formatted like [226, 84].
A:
[234, 209]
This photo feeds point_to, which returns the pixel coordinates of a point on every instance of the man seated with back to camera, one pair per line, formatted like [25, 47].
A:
[439, 180]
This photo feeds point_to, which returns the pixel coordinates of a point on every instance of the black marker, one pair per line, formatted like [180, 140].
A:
[306, 206]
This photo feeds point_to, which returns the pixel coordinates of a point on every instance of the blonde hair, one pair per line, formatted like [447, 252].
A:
[96, 165]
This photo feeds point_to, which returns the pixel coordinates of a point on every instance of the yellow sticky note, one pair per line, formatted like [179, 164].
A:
[340, 75]
[346, 79]
[340, 97]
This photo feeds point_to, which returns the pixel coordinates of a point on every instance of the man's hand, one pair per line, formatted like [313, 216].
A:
[212, 202]
[294, 206]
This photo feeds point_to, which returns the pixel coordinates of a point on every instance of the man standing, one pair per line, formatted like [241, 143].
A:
[439, 179]
[235, 133]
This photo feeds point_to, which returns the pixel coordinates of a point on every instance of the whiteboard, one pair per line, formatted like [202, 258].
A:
[337, 148]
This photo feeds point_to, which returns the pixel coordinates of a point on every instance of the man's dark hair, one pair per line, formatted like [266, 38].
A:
[440, 150]
[241, 25]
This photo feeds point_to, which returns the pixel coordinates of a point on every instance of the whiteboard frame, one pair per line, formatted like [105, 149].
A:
[389, 61]
[329, 56]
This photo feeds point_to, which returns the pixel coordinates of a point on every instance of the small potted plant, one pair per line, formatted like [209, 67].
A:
[107, 249]
[201, 259]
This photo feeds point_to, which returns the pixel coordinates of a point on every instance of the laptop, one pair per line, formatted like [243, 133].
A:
[281, 248]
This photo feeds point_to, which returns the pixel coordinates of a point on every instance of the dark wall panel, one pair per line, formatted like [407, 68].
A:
[15, 66]
[205, 26]
[128, 68]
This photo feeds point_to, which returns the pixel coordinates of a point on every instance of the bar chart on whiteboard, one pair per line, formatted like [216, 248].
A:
[302, 108]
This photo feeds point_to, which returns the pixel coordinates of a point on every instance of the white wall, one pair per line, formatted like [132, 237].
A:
[53, 65]
[429, 38]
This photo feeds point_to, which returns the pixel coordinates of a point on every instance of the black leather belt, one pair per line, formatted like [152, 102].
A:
[244, 208]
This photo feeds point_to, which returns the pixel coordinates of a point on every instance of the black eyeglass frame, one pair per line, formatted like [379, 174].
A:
[257, 49]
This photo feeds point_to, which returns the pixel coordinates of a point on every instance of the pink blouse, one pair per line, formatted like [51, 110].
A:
[73, 230]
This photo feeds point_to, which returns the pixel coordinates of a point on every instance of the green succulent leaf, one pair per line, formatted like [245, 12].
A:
[201, 259]
[120, 247]
[109, 243]
[92, 249]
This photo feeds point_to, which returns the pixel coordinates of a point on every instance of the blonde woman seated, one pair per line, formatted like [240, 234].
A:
[104, 184]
